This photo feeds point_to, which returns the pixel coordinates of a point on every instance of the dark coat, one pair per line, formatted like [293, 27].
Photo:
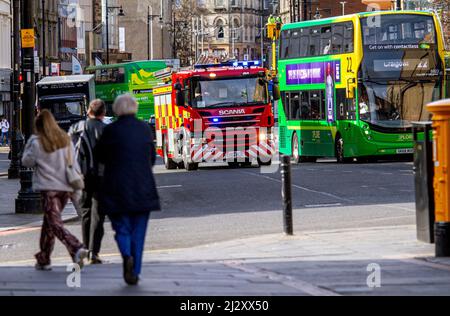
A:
[127, 151]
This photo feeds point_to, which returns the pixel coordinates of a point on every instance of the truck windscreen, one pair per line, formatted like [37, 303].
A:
[229, 92]
[63, 109]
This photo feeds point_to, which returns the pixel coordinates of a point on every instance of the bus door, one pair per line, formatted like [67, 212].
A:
[316, 136]
[346, 116]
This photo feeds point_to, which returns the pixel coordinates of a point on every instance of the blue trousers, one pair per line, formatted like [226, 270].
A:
[5, 138]
[131, 230]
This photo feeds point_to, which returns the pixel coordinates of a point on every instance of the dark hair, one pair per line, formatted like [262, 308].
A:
[97, 108]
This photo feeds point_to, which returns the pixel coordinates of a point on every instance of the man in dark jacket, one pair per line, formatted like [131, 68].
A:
[129, 193]
[85, 135]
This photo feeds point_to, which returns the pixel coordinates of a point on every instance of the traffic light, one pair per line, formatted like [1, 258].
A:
[271, 30]
[274, 28]
[21, 87]
[278, 29]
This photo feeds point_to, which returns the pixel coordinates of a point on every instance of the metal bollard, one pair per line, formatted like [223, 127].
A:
[287, 195]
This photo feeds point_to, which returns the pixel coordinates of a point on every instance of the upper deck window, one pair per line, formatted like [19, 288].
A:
[320, 40]
[398, 29]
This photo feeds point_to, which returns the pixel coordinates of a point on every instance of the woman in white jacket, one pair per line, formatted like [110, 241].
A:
[48, 152]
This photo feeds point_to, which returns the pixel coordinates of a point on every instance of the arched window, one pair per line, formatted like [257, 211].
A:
[220, 29]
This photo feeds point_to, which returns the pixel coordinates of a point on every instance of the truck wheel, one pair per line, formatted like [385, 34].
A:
[264, 163]
[187, 165]
[168, 162]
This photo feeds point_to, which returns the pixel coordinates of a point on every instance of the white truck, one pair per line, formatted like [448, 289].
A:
[67, 97]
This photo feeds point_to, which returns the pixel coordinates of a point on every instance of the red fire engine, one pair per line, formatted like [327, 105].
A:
[215, 113]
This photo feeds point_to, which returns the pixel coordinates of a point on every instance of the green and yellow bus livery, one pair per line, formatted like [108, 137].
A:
[351, 86]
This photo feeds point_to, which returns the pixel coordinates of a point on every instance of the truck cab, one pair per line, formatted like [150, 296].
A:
[215, 113]
[66, 97]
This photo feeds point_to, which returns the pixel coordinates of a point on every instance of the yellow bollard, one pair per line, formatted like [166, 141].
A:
[441, 153]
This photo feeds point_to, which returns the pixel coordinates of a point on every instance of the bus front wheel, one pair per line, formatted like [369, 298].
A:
[340, 151]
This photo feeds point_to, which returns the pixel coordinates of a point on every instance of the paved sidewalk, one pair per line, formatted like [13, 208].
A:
[311, 263]
[9, 220]
[4, 162]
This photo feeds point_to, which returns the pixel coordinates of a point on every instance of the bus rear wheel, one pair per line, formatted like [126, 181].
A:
[296, 152]
[296, 149]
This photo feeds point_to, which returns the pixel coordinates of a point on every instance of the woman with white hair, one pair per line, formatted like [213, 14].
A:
[128, 194]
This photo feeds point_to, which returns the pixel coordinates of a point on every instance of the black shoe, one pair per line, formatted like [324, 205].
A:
[95, 260]
[128, 271]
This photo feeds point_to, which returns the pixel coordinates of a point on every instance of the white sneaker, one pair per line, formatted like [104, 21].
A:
[80, 256]
[39, 267]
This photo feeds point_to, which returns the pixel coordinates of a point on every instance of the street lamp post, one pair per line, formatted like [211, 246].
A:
[343, 3]
[16, 135]
[121, 13]
[44, 58]
[28, 201]
[150, 17]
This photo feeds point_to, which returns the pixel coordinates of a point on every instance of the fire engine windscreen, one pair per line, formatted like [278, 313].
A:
[229, 92]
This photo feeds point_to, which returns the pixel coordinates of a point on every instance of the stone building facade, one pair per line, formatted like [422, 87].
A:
[300, 10]
[147, 26]
[234, 28]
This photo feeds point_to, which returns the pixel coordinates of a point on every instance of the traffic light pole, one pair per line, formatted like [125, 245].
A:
[16, 135]
[28, 201]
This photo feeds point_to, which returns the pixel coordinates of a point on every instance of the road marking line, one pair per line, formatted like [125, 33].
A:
[170, 187]
[18, 230]
[301, 188]
[286, 280]
[324, 205]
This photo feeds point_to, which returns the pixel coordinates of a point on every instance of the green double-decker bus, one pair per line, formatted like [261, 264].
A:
[352, 86]
[136, 78]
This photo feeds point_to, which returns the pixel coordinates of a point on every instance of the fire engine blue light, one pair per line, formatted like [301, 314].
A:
[230, 64]
[216, 120]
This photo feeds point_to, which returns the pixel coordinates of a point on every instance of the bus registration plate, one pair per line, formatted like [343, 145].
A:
[405, 151]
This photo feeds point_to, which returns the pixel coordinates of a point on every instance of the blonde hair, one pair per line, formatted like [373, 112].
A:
[51, 136]
[125, 105]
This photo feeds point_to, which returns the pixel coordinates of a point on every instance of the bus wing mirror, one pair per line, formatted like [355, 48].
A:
[351, 88]
[276, 90]
[350, 92]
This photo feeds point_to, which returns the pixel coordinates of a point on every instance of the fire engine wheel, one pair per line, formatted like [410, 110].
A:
[189, 166]
[168, 162]
[264, 163]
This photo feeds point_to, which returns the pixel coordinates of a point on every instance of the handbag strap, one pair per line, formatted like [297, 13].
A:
[69, 156]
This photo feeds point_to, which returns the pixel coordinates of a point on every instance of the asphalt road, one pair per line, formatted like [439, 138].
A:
[217, 204]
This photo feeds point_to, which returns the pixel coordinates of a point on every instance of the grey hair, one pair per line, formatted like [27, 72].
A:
[125, 105]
